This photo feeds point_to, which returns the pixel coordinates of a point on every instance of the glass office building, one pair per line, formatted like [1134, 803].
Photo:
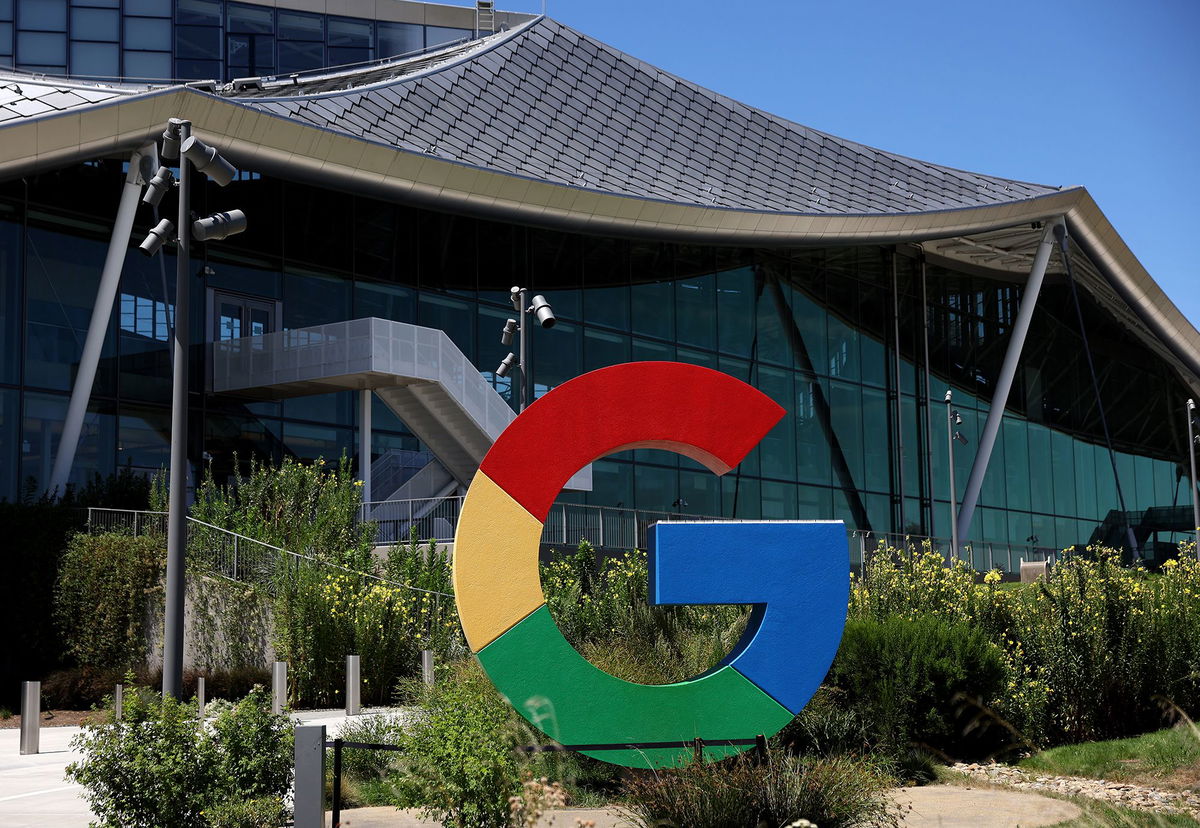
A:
[218, 39]
[632, 220]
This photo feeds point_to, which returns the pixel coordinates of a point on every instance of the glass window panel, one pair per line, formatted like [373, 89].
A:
[1126, 468]
[778, 500]
[6, 40]
[607, 306]
[344, 31]
[656, 487]
[198, 42]
[846, 410]
[229, 321]
[1016, 464]
[42, 430]
[151, 8]
[647, 351]
[557, 358]
[297, 56]
[454, 316]
[95, 59]
[696, 311]
[95, 24]
[312, 442]
[10, 302]
[384, 301]
[913, 460]
[143, 439]
[812, 446]
[337, 408]
[10, 438]
[153, 65]
[6, 9]
[490, 324]
[815, 502]
[148, 33]
[42, 48]
[773, 344]
[1143, 468]
[1062, 458]
[199, 70]
[653, 307]
[701, 492]
[843, 350]
[612, 484]
[346, 55]
[43, 15]
[811, 319]
[876, 420]
[735, 311]
[440, 35]
[314, 299]
[1085, 480]
[741, 496]
[400, 38]
[301, 26]
[601, 349]
[61, 281]
[250, 19]
[778, 448]
[198, 11]
[1043, 474]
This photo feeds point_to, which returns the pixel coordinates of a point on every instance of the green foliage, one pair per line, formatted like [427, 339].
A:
[910, 678]
[371, 765]
[1096, 650]
[105, 586]
[264, 812]
[832, 793]
[307, 509]
[158, 767]
[604, 611]
[459, 760]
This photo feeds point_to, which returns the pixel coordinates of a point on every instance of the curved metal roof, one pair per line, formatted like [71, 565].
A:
[547, 102]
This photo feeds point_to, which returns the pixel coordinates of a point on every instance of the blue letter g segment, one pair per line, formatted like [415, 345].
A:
[797, 574]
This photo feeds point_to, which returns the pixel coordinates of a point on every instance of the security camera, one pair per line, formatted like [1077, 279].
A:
[208, 161]
[506, 365]
[159, 235]
[219, 226]
[510, 328]
[170, 139]
[541, 309]
[159, 186]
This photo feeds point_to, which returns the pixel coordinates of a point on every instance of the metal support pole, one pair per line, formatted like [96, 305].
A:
[309, 799]
[427, 666]
[1191, 407]
[278, 687]
[336, 822]
[201, 697]
[353, 686]
[364, 442]
[110, 280]
[31, 716]
[953, 487]
[522, 333]
[901, 527]
[119, 703]
[1008, 370]
[177, 509]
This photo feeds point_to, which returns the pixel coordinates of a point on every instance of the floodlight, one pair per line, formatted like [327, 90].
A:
[159, 186]
[960, 438]
[170, 139]
[541, 309]
[510, 328]
[506, 365]
[219, 226]
[159, 235]
[208, 161]
[957, 418]
[1191, 405]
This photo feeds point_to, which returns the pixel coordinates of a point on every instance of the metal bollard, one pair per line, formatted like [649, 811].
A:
[309, 799]
[200, 697]
[427, 666]
[31, 716]
[279, 687]
[119, 703]
[353, 686]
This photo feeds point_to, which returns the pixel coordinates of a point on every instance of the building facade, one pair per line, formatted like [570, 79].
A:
[663, 222]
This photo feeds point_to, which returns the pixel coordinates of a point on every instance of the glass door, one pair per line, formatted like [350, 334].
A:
[236, 316]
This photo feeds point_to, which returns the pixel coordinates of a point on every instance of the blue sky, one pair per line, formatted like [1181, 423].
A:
[1097, 93]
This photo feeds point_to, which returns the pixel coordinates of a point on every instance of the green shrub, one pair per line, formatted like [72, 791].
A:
[459, 761]
[371, 765]
[105, 586]
[832, 793]
[827, 726]
[911, 680]
[264, 812]
[158, 767]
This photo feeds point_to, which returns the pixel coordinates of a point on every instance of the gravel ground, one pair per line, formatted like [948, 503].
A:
[1117, 793]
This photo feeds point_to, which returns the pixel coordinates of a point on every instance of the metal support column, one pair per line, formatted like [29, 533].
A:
[364, 442]
[278, 687]
[309, 799]
[901, 527]
[177, 482]
[142, 164]
[31, 716]
[1008, 370]
[353, 686]
[1191, 408]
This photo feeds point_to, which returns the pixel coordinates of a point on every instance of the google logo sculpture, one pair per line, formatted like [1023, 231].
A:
[795, 574]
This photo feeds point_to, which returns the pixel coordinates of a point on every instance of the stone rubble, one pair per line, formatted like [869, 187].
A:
[1185, 802]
